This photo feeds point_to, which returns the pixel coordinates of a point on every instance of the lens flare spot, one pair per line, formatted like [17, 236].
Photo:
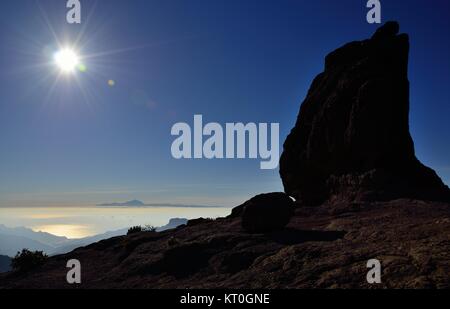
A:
[111, 83]
[82, 68]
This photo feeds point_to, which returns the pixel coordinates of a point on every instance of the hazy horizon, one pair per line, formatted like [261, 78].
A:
[76, 222]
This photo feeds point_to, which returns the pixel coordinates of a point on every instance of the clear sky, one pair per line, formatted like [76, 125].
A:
[78, 140]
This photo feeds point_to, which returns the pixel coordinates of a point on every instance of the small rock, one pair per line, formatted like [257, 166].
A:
[198, 221]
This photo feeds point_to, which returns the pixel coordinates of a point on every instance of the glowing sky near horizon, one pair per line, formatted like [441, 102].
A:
[79, 222]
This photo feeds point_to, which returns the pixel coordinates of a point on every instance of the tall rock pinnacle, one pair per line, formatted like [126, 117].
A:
[351, 141]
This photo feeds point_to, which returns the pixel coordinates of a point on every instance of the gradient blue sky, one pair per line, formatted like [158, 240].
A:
[80, 143]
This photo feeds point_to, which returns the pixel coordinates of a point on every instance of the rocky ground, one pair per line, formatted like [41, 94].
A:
[322, 247]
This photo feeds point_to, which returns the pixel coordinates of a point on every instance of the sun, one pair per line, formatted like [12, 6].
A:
[67, 60]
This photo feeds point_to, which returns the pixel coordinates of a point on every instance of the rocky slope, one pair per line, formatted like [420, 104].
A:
[322, 247]
[350, 156]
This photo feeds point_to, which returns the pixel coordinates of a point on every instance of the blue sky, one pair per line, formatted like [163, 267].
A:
[80, 141]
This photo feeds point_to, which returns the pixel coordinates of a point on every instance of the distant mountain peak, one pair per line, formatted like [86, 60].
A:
[128, 203]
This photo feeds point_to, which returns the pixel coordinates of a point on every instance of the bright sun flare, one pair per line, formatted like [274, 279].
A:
[67, 60]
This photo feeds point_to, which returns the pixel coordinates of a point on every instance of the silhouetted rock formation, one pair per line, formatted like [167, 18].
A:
[265, 213]
[351, 141]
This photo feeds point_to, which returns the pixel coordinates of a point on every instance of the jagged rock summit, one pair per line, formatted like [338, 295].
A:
[351, 141]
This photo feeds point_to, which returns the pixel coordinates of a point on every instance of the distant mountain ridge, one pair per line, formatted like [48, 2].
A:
[128, 203]
[43, 237]
[13, 240]
[11, 244]
[5, 263]
[173, 224]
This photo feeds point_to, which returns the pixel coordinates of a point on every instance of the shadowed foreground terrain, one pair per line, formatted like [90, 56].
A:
[322, 247]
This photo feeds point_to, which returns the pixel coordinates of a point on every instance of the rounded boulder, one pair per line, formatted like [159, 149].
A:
[267, 213]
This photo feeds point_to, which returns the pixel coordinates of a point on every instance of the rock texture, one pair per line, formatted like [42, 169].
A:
[351, 141]
[265, 213]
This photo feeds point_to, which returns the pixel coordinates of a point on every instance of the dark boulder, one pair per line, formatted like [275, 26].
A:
[265, 213]
[351, 141]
